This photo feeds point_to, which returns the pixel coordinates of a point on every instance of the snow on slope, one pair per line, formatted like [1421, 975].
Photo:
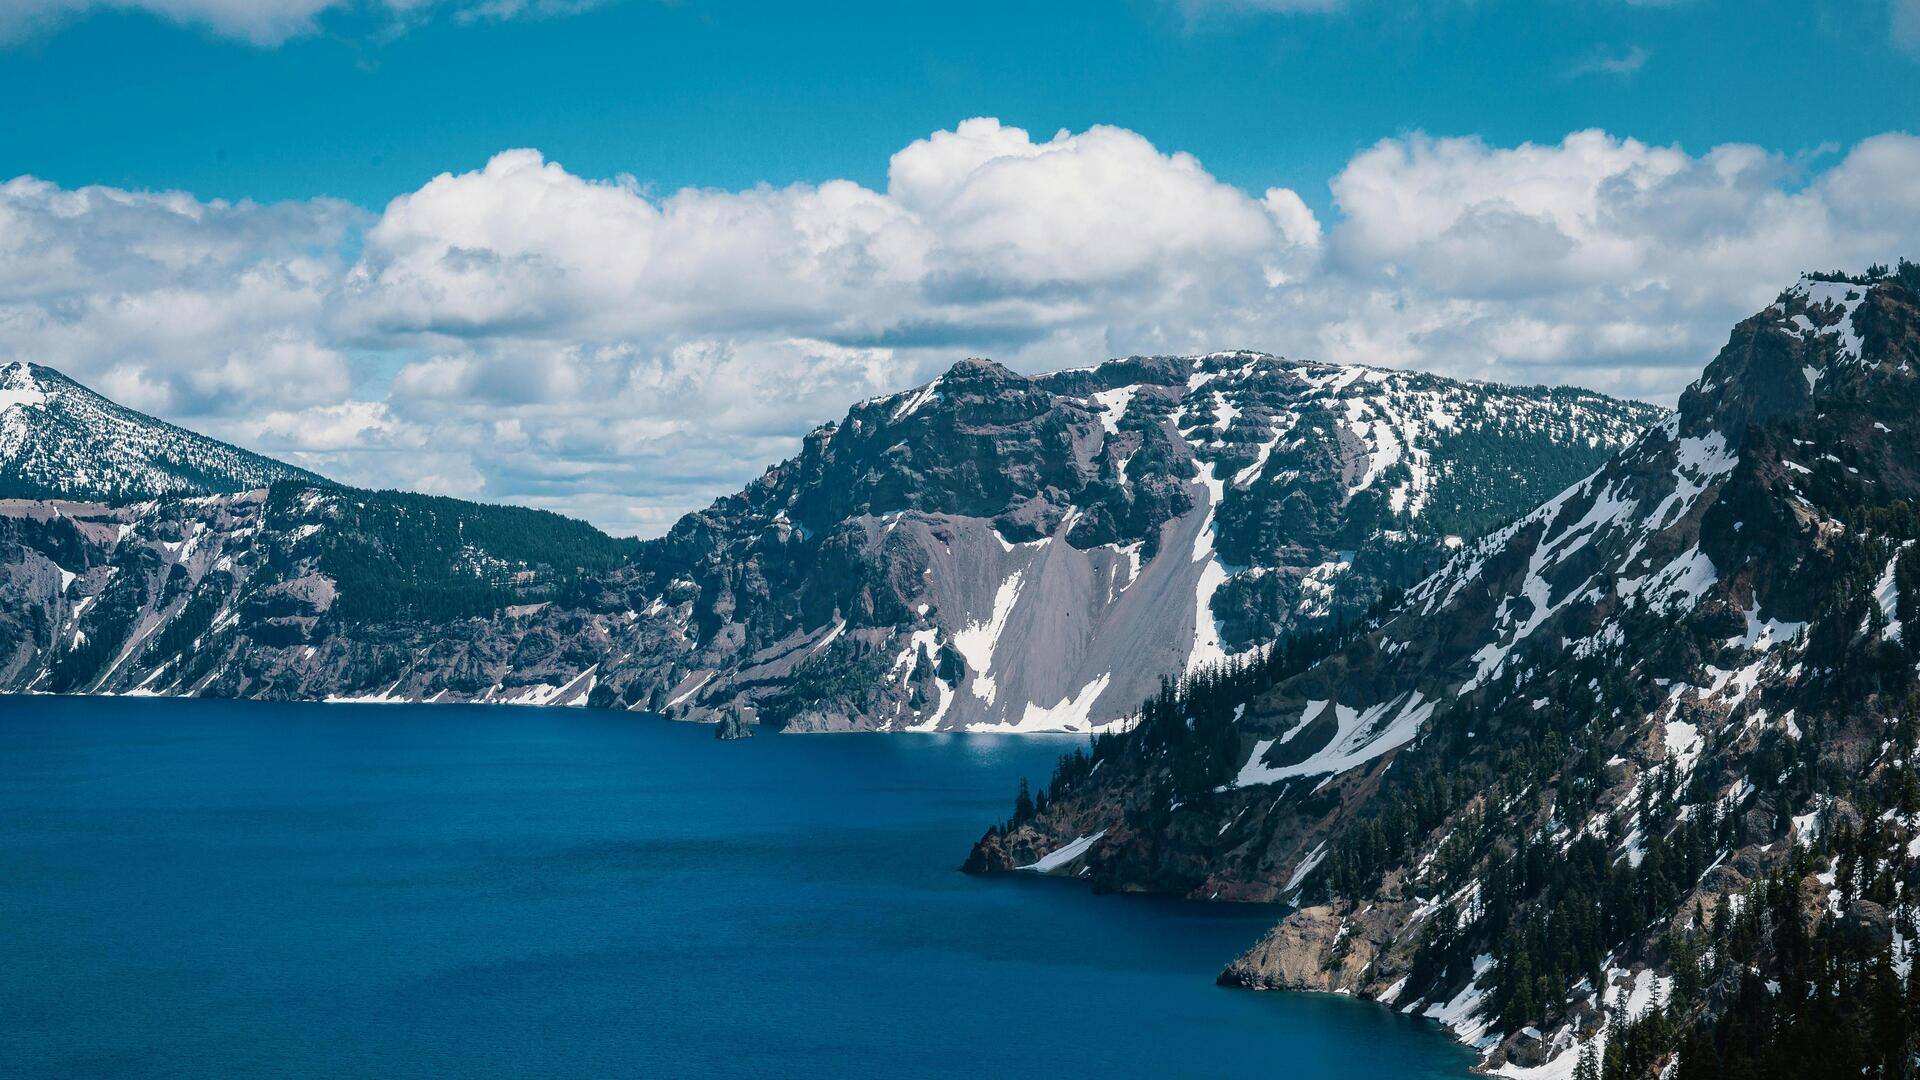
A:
[989, 551]
[1595, 708]
[60, 440]
[1367, 449]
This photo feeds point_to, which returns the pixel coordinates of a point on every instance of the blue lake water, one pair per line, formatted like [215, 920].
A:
[237, 889]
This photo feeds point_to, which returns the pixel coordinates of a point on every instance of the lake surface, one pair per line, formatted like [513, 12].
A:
[240, 889]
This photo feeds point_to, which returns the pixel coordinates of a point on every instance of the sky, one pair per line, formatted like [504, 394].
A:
[614, 258]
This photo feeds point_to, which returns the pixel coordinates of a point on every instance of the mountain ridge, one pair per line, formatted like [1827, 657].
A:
[1105, 525]
[1657, 696]
[58, 439]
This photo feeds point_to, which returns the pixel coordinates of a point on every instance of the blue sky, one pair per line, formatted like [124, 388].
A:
[729, 94]
[613, 258]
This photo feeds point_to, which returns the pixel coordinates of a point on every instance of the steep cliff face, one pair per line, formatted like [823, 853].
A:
[989, 551]
[304, 592]
[1604, 754]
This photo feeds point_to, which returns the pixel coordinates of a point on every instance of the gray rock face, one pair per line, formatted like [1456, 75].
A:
[989, 551]
[998, 552]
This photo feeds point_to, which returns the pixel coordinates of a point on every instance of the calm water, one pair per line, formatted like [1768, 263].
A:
[211, 889]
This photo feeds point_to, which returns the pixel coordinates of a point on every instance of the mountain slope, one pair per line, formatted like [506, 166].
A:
[988, 551]
[1650, 745]
[60, 440]
[303, 592]
[1105, 526]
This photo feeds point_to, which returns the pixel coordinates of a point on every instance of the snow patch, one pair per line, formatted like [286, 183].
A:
[29, 396]
[915, 399]
[1360, 737]
[1115, 402]
[1462, 1014]
[1207, 648]
[977, 641]
[1054, 860]
[1761, 636]
[705, 678]
[1886, 593]
[1073, 713]
[1683, 743]
[1307, 866]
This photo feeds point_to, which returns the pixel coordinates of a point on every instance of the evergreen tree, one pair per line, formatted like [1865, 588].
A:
[1588, 1066]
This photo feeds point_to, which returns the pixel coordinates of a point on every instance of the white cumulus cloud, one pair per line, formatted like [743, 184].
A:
[1618, 262]
[525, 333]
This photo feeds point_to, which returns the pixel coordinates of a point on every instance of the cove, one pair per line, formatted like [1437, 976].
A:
[193, 888]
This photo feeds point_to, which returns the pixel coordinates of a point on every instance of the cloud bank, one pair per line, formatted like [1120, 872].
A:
[523, 333]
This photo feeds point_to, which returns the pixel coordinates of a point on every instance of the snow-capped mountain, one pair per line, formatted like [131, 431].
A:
[988, 551]
[998, 552]
[1598, 761]
[60, 440]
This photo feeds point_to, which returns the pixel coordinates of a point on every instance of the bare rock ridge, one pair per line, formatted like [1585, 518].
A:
[1630, 780]
[989, 551]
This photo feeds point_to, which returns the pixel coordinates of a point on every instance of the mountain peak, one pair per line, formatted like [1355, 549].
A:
[59, 439]
[1821, 341]
[979, 367]
[18, 387]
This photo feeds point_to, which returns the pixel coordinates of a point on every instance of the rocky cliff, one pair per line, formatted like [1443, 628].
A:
[989, 551]
[1629, 780]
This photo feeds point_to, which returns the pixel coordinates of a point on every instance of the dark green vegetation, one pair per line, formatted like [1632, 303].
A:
[105, 624]
[398, 556]
[845, 677]
[1838, 1002]
[1189, 724]
[1496, 469]
[1906, 272]
[1551, 914]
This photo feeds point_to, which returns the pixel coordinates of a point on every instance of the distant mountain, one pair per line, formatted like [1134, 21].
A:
[988, 551]
[999, 552]
[1635, 778]
[60, 440]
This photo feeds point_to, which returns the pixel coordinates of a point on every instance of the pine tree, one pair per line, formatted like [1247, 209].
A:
[1588, 1067]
